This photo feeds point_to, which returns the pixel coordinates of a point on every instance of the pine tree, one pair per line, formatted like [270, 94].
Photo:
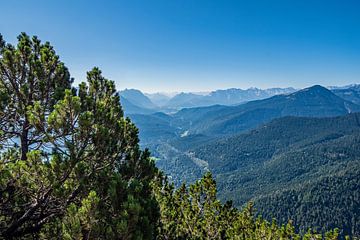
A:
[62, 147]
[194, 212]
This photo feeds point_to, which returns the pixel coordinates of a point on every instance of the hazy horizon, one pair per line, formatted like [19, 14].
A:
[173, 93]
[192, 46]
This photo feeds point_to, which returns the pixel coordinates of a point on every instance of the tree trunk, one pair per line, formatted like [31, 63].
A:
[25, 140]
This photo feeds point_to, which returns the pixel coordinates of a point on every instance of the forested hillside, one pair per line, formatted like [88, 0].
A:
[327, 202]
[295, 156]
[172, 102]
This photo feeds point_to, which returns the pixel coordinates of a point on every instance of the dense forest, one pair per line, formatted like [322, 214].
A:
[71, 166]
[332, 199]
[292, 168]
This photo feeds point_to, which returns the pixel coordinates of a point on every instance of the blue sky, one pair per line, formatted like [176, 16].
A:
[197, 45]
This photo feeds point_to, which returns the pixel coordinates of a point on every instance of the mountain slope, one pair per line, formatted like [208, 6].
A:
[158, 127]
[351, 93]
[158, 99]
[131, 108]
[183, 100]
[334, 198]
[137, 98]
[292, 155]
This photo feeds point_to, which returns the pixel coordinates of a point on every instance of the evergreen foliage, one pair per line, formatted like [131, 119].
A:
[70, 163]
[194, 212]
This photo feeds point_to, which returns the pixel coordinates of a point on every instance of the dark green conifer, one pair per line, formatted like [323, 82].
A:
[66, 151]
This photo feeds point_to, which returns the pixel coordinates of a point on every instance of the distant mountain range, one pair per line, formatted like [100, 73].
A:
[144, 103]
[230, 96]
[172, 103]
